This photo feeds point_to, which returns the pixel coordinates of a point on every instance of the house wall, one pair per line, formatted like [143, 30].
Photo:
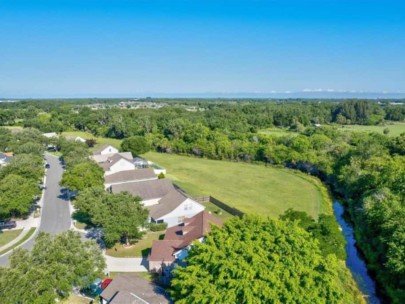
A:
[109, 150]
[188, 208]
[121, 165]
[156, 266]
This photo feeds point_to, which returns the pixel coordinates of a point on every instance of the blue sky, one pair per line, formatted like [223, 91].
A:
[135, 48]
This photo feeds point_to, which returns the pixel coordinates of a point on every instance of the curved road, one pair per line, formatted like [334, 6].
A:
[55, 214]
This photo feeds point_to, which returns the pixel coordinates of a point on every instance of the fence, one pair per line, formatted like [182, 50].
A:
[218, 203]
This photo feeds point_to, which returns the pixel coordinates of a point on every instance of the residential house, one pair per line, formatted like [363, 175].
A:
[131, 289]
[178, 240]
[140, 162]
[165, 203]
[101, 158]
[129, 176]
[173, 208]
[150, 191]
[105, 149]
[116, 163]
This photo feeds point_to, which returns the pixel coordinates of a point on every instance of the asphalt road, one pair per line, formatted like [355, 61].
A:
[55, 211]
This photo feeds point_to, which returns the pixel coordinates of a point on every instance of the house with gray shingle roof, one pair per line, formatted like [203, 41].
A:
[129, 176]
[116, 163]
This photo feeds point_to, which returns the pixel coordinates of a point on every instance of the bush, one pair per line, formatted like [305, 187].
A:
[158, 227]
[161, 175]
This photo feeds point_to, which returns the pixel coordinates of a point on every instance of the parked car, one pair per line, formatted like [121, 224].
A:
[47, 165]
[8, 225]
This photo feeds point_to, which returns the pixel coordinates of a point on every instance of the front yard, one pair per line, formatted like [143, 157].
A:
[8, 236]
[139, 249]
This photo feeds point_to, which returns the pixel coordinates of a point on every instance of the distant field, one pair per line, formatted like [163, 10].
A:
[276, 132]
[100, 140]
[248, 187]
[395, 129]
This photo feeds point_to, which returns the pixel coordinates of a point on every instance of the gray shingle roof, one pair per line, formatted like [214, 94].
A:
[167, 204]
[112, 161]
[130, 176]
[152, 189]
[131, 289]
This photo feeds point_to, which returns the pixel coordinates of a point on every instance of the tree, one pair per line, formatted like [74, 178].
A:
[325, 230]
[256, 260]
[17, 195]
[137, 145]
[82, 176]
[51, 269]
[29, 166]
[121, 215]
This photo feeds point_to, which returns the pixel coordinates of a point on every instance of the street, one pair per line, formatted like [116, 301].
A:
[55, 214]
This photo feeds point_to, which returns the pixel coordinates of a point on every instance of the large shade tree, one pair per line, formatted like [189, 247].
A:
[254, 260]
[121, 215]
[51, 269]
[82, 176]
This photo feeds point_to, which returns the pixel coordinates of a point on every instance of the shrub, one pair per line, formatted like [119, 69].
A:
[157, 227]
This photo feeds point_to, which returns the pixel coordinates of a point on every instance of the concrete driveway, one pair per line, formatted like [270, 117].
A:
[55, 214]
[126, 264]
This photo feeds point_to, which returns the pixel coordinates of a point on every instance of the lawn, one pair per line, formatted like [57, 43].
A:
[8, 236]
[277, 132]
[216, 211]
[100, 140]
[139, 249]
[395, 128]
[252, 188]
[26, 237]
[74, 299]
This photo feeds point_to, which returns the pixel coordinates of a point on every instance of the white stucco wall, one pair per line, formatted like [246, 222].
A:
[121, 165]
[109, 150]
[188, 208]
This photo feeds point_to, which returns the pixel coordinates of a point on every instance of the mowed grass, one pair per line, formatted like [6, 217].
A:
[140, 249]
[249, 187]
[277, 132]
[396, 129]
[100, 140]
[8, 236]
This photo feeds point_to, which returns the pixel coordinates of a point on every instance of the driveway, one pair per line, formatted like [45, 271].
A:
[55, 214]
[126, 264]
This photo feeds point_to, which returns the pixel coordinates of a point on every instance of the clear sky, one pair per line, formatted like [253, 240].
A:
[71, 48]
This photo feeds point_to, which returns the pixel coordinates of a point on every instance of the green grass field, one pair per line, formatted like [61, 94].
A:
[139, 249]
[248, 187]
[100, 140]
[8, 236]
[395, 128]
[277, 132]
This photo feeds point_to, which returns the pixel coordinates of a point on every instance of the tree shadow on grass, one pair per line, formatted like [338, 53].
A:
[83, 218]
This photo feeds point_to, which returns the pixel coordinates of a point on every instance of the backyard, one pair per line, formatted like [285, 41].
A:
[251, 188]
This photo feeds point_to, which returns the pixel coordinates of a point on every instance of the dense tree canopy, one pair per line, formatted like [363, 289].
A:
[253, 260]
[137, 145]
[82, 176]
[51, 269]
[121, 215]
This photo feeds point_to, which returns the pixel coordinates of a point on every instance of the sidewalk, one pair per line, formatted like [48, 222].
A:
[17, 239]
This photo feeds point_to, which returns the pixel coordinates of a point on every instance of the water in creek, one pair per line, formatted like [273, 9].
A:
[354, 262]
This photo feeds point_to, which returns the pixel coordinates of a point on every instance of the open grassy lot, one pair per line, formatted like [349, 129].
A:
[216, 211]
[8, 236]
[139, 249]
[100, 140]
[277, 132]
[395, 128]
[248, 187]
